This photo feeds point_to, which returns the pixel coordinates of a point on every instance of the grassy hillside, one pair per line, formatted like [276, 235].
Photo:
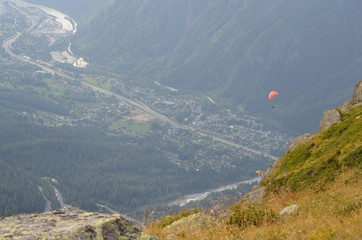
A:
[322, 177]
[236, 50]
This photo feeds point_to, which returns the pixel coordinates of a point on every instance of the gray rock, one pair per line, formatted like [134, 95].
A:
[329, 118]
[346, 106]
[357, 94]
[267, 173]
[261, 174]
[299, 140]
[356, 99]
[69, 223]
[255, 196]
[289, 210]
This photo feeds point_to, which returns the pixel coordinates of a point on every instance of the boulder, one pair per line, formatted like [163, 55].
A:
[255, 196]
[265, 174]
[329, 118]
[289, 210]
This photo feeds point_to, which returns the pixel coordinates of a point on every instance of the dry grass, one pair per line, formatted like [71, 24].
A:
[330, 214]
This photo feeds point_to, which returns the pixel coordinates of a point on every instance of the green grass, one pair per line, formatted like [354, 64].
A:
[91, 81]
[3, 85]
[105, 85]
[132, 125]
[322, 176]
[252, 215]
[50, 88]
[322, 158]
[168, 220]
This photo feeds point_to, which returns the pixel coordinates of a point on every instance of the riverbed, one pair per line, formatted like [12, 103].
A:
[200, 196]
[64, 20]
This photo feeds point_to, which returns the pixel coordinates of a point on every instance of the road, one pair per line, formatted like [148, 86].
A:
[163, 118]
[7, 45]
[231, 143]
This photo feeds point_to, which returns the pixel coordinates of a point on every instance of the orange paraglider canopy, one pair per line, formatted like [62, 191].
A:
[272, 94]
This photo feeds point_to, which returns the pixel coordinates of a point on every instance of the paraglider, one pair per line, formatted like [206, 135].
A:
[271, 96]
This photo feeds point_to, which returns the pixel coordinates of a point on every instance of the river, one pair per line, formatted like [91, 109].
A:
[64, 20]
[57, 193]
[200, 196]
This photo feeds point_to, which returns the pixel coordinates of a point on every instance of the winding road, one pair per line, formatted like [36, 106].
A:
[7, 45]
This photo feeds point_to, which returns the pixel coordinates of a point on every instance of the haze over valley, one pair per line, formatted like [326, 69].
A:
[127, 106]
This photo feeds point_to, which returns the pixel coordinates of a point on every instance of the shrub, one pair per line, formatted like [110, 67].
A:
[347, 208]
[354, 159]
[252, 214]
[168, 220]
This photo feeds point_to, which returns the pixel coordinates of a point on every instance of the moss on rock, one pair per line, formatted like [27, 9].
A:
[70, 223]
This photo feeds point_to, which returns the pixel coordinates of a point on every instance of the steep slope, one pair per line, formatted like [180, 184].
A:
[312, 192]
[130, 32]
[238, 50]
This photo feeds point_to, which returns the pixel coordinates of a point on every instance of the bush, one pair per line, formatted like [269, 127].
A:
[173, 218]
[253, 214]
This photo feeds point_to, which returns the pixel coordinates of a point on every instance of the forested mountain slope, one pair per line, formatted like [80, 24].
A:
[124, 173]
[236, 50]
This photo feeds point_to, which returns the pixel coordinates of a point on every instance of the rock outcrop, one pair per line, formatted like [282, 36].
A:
[299, 140]
[346, 106]
[256, 195]
[69, 223]
[357, 94]
[267, 173]
[329, 118]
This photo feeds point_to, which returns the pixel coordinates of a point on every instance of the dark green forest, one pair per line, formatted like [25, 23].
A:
[92, 164]
[125, 173]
